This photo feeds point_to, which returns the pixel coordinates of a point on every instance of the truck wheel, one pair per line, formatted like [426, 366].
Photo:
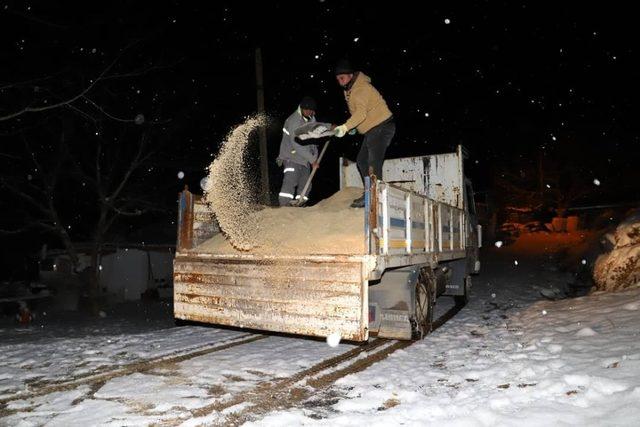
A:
[424, 304]
[462, 300]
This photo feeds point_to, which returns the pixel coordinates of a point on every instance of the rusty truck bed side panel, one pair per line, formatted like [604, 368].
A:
[310, 295]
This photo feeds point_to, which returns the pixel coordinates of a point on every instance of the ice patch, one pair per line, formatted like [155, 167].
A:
[554, 348]
[586, 332]
[631, 306]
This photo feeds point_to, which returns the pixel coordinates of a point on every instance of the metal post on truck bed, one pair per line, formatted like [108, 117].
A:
[185, 220]
[367, 216]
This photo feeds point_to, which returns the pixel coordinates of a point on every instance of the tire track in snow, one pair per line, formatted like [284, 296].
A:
[141, 366]
[290, 391]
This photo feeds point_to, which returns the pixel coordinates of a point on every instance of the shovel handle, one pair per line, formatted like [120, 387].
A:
[313, 172]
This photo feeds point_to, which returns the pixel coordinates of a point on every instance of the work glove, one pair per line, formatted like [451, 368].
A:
[340, 131]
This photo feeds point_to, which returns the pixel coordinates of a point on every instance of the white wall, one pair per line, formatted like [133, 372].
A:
[125, 273]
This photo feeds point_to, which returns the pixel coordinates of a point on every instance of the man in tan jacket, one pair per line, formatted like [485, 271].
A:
[370, 116]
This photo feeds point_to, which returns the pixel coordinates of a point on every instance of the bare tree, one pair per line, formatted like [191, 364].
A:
[105, 171]
[90, 166]
[110, 177]
[39, 194]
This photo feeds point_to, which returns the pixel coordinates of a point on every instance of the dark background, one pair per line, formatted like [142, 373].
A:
[542, 94]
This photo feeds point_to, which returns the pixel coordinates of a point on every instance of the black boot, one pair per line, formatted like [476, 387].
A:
[358, 203]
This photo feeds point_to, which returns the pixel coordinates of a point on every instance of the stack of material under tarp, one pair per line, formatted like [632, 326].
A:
[620, 268]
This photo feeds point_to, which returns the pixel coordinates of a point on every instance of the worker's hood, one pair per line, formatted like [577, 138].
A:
[306, 119]
[358, 79]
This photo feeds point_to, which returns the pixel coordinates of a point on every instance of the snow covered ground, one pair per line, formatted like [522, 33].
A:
[505, 359]
[511, 357]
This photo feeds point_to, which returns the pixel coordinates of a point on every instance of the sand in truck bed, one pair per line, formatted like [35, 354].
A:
[329, 227]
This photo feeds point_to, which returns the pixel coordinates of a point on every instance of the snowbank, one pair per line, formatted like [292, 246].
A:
[620, 268]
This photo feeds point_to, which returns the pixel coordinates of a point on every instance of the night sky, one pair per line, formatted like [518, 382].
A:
[519, 84]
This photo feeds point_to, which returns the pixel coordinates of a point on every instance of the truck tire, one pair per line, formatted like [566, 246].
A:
[424, 302]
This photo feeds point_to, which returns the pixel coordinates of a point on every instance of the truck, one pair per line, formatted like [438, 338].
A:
[421, 240]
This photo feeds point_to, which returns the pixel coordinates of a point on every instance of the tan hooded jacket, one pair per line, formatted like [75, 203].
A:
[367, 107]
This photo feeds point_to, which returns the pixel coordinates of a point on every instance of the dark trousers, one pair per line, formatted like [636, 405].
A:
[294, 180]
[373, 148]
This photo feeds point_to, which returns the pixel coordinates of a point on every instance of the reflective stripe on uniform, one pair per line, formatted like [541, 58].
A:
[289, 170]
[298, 197]
[287, 195]
[285, 131]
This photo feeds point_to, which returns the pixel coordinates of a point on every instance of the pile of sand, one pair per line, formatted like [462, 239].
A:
[231, 191]
[329, 227]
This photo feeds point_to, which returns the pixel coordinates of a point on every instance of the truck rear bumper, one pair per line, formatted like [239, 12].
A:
[308, 295]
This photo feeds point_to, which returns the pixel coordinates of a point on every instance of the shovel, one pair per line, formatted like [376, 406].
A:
[301, 200]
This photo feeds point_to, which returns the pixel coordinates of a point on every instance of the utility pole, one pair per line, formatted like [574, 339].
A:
[264, 166]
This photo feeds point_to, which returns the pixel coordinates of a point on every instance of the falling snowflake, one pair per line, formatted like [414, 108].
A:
[498, 244]
[356, 39]
[180, 175]
[584, 262]
[334, 339]
[544, 312]
[596, 181]
[203, 182]
[447, 21]
[515, 262]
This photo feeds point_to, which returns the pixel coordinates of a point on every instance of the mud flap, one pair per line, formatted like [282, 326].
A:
[395, 324]
[392, 300]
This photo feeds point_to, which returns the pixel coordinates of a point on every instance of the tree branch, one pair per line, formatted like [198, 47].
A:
[132, 167]
[143, 71]
[26, 197]
[99, 108]
[72, 99]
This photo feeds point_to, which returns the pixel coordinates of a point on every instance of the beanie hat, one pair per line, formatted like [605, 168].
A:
[308, 103]
[344, 67]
